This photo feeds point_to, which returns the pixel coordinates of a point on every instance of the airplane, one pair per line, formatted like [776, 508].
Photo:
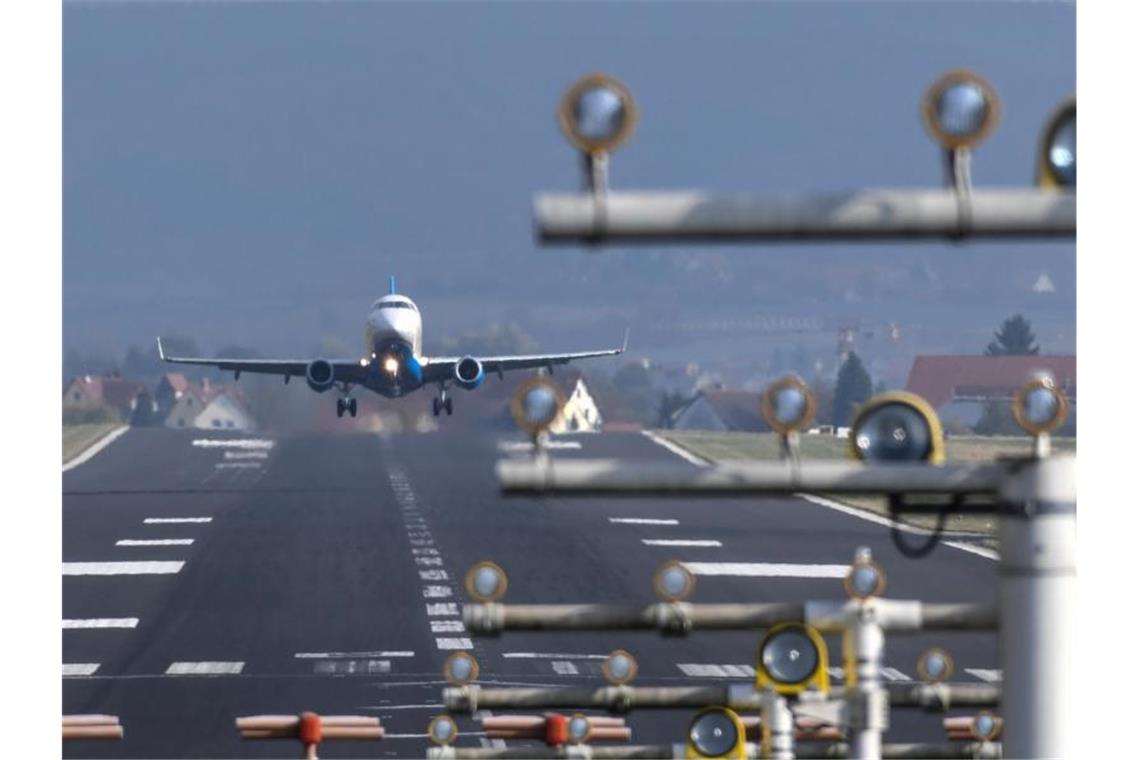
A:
[393, 364]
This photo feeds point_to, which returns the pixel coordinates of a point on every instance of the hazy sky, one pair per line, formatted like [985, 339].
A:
[252, 172]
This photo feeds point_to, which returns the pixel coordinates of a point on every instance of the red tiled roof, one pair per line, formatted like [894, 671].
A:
[938, 379]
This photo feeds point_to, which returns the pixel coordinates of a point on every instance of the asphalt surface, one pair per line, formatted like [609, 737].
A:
[320, 570]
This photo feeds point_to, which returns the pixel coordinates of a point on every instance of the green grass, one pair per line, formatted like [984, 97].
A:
[726, 447]
[77, 438]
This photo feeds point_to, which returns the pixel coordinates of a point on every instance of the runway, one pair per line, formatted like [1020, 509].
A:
[212, 575]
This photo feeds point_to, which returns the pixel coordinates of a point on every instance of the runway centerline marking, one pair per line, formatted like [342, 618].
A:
[439, 609]
[767, 569]
[176, 520]
[77, 669]
[643, 521]
[437, 592]
[234, 443]
[154, 542]
[101, 623]
[207, 668]
[448, 626]
[122, 568]
[680, 542]
[552, 656]
[353, 655]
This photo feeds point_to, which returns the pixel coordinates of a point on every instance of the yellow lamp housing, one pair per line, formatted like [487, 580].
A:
[716, 732]
[1057, 149]
[897, 426]
[597, 114]
[792, 659]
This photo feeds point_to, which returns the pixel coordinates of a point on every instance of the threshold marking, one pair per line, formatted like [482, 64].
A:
[154, 542]
[433, 575]
[456, 643]
[767, 570]
[245, 455]
[351, 655]
[234, 443]
[101, 623]
[447, 626]
[437, 592]
[680, 542]
[702, 670]
[643, 521]
[77, 669]
[237, 466]
[439, 609]
[208, 668]
[176, 520]
[122, 568]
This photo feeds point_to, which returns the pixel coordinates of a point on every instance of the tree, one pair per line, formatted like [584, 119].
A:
[670, 403]
[852, 387]
[1014, 338]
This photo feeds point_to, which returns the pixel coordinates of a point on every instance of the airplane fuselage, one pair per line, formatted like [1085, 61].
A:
[393, 343]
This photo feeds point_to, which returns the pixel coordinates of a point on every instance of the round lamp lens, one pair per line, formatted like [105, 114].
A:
[619, 667]
[713, 734]
[578, 728]
[486, 581]
[961, 109]
[443, 730]
[461, 668]
[1063, 152]
[1040, 406]
[984, 726]
[935, 665]
[865, 580]
[894, 432]
[789, 405]
[540, 405]
[790, 657]
[673, 582]
[599, 114]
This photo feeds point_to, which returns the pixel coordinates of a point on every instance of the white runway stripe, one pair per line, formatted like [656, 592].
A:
[680, 542]
[174, 520]
[564, 668]
[447, 626]
[982, 674]
[95, 448]
[235, 455]
[836, 674]
[643, 521]
[73, 669]
[437, 592]
[234, 443]
[204, 668]
[433, 575]
[121, 568]
[767, 570]
[457, 643]
[154, 542]
[102, 623]
[702, 670]
[237, 466]
[552, 656]
[685, 454]
[893, 674]
[352, 655]
[442, 608]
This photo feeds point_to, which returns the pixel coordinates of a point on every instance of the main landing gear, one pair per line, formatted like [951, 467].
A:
[346, 405]
[443, 402]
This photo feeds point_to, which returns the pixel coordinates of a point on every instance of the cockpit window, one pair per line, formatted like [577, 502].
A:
[394, 305]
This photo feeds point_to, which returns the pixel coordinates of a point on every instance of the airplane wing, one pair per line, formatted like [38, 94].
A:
[347, 370]
[440, 368]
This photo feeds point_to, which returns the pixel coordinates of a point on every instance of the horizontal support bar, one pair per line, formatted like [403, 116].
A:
[611, 477]
[739, 696]
[897, 616]
[977, 750]
[984, 750]
[888, 214]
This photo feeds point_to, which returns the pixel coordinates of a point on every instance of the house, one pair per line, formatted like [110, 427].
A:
[960, 387]
[87, 393]
[225, 412]
[722, 410]
[209, 407]
[580, 413]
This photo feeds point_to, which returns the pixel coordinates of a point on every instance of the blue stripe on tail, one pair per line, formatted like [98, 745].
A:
[391, 284]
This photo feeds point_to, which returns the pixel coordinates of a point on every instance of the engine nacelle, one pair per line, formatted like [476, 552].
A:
[319, 375]
[469, 373]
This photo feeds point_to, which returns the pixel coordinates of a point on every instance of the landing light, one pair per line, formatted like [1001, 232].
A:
[597, 113]
[960, 109]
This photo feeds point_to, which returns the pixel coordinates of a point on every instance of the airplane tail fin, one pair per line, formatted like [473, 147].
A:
[391, 284]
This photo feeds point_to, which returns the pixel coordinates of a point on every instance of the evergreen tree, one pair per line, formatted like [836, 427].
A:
[1014, 338]
[852, 388]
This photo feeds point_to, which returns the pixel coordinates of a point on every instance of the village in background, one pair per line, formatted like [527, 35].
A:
[970, 392]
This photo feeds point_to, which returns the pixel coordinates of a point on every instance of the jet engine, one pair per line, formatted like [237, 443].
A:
[319, 375]
[469, 373]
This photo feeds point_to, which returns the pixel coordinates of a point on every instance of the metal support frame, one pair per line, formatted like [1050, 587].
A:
[952, 213]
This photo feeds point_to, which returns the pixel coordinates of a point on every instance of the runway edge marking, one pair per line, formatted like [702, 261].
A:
[88, 453]
[700, 461]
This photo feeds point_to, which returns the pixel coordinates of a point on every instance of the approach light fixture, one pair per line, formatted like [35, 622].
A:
[960, 109]
[1057, 154]
[1039, 407]
[460, 669]
[897, 426]
[597, 114]
[716, 732]
[537, 404]
[673, 582]
[486, 582]
[619, 667]
[791, 659]
[578, 729]
[787, 405]
[443, 730]
[986, 726]
[865, 579]
[935, 665]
